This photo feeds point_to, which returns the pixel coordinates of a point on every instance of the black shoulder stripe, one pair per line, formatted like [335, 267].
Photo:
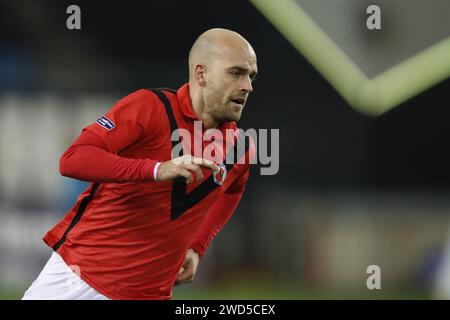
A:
[169, 90]
[169, 111]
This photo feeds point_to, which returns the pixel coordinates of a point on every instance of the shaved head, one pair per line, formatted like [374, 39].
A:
[213, 44]
[222, 67]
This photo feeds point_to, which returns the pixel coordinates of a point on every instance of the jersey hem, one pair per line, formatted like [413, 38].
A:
[107, 293]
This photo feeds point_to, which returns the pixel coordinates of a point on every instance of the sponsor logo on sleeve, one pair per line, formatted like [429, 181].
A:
[106, 123]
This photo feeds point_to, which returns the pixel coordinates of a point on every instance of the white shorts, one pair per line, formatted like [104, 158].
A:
[58, 281]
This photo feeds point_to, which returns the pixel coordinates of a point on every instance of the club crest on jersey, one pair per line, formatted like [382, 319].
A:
[220, 176]
[106, 123]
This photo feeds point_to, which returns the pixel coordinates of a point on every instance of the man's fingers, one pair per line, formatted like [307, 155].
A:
[188, 271]
[205, 163]
[186, 276]
[196, 169]
[188, 159]
[183, 166]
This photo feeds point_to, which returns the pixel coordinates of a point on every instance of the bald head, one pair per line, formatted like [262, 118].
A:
[222, 68]
[213, 45]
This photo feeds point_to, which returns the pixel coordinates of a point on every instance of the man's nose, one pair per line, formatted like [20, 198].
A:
[247, 85]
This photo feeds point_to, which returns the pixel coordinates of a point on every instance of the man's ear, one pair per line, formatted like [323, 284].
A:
[200, 74]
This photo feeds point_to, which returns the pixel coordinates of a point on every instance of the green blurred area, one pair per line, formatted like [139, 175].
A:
[266, 290]
[11, 294]
[242, 289]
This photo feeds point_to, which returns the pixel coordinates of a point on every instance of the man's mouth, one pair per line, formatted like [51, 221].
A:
[239, 101]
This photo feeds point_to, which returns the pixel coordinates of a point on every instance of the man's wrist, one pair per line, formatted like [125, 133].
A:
[197, 249]
[155, 171]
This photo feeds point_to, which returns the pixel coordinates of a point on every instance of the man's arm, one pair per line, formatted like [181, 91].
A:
[219, 214]
[215, 220]
[224, 207]
[93, 156]
[88, 159]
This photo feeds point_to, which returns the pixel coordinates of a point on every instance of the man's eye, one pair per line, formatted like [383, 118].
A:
[235, 73]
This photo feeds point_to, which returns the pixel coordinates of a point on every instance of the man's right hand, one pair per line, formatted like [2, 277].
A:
[184, 166]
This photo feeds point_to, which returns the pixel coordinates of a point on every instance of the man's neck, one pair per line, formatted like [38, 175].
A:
[199, 109]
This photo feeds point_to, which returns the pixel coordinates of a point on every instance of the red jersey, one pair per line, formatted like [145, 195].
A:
[127, 233]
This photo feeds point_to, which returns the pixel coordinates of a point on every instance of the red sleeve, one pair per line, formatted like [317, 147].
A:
[88, 159]
[219, 214]
[93, 156]
[128, 120]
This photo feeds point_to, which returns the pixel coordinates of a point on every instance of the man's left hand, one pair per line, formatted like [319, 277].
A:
[189, 268]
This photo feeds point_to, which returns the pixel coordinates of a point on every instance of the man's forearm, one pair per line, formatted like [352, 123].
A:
[88, 160]
[215, 220]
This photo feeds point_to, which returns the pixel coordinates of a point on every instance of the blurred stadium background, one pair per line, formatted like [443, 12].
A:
[352, 190]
